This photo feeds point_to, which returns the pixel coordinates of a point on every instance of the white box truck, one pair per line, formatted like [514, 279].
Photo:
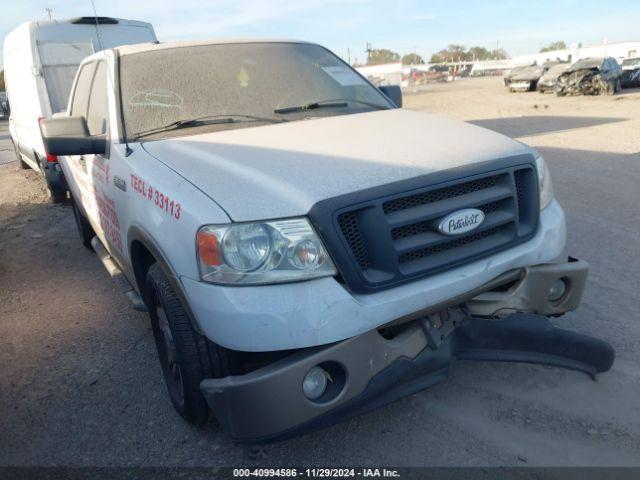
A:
[40, 62]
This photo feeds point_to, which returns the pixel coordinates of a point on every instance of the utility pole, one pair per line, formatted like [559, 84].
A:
[368, 50]
[49, 12]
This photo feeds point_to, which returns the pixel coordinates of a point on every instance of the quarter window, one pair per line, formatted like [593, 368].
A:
[80, 100]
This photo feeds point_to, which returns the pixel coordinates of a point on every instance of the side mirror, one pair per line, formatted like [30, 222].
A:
[394, 93]
[70, 136]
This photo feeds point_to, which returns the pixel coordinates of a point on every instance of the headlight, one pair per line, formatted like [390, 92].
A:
[263, 252]
[544, 183]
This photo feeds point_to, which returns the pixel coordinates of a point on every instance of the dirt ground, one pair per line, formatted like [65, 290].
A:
[80, 383]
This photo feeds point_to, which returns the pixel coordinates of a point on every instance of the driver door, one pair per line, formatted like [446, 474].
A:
[105, 221]
[77, 172]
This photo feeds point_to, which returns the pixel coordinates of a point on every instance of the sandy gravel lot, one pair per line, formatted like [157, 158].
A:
[80, 383]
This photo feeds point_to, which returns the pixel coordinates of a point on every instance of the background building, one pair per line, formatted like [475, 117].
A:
[617, 50]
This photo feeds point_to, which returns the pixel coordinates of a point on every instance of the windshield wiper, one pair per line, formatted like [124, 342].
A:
[334, 102]
[208, 120]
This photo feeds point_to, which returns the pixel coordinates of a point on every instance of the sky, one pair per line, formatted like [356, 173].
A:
[346, 26]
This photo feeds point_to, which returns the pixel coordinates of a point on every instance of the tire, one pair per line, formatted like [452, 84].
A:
[610, 88]
[84, 227]
[186, 357]
[57, 189]
[57, 196]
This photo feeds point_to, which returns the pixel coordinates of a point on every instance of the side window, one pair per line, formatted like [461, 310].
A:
[81, 94]
[97, 116]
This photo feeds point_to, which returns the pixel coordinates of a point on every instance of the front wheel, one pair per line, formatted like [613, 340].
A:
[618, 87]
[186, 357]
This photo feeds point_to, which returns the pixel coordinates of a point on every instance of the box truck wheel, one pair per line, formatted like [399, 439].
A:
[54, 177]
[57, 196]
[21, 162]
[186, 357]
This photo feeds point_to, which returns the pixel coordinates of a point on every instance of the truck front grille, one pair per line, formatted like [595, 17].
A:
[395, 238]
[437, 195]
[351, 231]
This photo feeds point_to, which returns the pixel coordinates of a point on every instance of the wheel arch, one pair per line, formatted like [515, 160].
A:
[144, 252]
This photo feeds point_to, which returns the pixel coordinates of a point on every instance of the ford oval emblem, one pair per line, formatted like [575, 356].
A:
[462, 221]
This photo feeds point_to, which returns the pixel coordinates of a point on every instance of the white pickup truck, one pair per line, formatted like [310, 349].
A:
[306, 249]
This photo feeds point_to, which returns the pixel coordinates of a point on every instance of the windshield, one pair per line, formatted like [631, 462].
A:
[517, 69]
[264, 81]
[557, 70]
[533, 71]
[627, 62]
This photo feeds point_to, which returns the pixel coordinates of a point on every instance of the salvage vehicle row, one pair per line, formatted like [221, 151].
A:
[588, 76]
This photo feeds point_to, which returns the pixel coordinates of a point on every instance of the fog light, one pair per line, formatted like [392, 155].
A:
[314, 383]
[557, 290]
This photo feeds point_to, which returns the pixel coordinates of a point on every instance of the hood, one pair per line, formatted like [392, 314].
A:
[515, 70]
[282, 170]
[529, 73]
[586, 64]
[553, 73]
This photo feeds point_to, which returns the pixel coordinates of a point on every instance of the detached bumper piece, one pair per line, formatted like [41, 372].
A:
[376, 368]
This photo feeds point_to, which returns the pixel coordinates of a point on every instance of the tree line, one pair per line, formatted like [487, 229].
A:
[453, 53]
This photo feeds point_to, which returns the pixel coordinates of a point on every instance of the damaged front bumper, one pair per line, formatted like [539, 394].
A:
[530, 292]
[583, 82]
[380, 366]
[545, 86]
[522, 85]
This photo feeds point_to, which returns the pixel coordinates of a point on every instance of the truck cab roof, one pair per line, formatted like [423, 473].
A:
[147, 47]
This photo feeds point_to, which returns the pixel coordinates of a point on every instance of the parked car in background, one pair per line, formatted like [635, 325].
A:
[630, 72]
[40, 62]
[526, 79]
[513, 72]
[547, 82]
[590, 76]
[437, 73]
[305, 248]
